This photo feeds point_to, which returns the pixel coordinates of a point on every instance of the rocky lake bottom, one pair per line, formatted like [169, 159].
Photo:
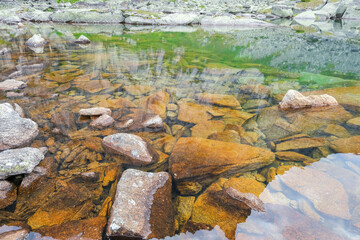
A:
[177, 132]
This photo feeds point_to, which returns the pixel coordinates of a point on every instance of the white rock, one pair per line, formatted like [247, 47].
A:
[11, 84]
[294, 100]
[233, 21]
[179, 19]
[82, 40]
[35, 41]
[305, 18]
[282, 12]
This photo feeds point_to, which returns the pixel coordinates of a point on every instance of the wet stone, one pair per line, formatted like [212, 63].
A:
[256, 104]
[256, 91]
[102, 122]
[183, 208]
[346, 145]
[98, 111]
[292, 157]
[138, 89]
[142, 206]
[294, 100]
[156, 103]
[35, 41]
[90, 228]
[204, 159]
[325, 192]
[204, 129]
[300, 143]
[132, 147]
[337, 130]
[11, 85]
[218, 99]
[19, 161]
[82, 40]
[20, 234]
[354, 122]
[8, 194]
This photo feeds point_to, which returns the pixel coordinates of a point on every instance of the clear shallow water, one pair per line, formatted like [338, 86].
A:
[183, 63]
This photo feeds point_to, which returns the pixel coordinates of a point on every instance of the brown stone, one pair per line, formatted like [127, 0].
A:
[206, 128]
[138, 89]
[326, 193]
[102, 122]
[189, 188]
[300, 143]
[132, 147]
[118, 103]
[257, 91]
[337, 131]
[183, 208]
[93, 143]
[96, 111]
[95, 86]
[214, 207]
[8, 193]
[203, 159]
[20, 234]
[312, 119]
[292, 157]
[354, 122]
[156, 103]
[192, 112]
[142, 206]
[346, 145]
[226, 136]
[91, 229]
[218, 99]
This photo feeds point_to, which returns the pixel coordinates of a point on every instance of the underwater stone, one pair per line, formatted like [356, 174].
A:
[132, 147]
[204, 159]
[8, 194]
[19, 161]
[102, 122]
[97, 111]
[142, 206]
[218, 99]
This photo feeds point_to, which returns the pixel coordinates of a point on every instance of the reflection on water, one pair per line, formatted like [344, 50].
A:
[206, 101]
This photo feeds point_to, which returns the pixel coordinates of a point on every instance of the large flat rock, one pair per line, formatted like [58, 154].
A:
[142, 206]
[203, 159]
[19, 161]
[346, 145]
[15, 131]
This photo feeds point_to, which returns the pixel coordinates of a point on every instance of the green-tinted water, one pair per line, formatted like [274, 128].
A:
[139, 73]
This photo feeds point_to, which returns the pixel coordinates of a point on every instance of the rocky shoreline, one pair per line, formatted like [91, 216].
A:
[178, 12]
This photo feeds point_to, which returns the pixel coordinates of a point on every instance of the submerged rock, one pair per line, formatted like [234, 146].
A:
[15, 131]
[97, 111]
[35, 41]
[294, 100]
[11, 84]
[346, 145]
[218, 99]
[326, 193]
[102, 122]
[354, 122]
[142, 206]
[19, 161]
[300, 143]
[204, 159]
[8, 193]
[82, 40]
[132, 147]
[90, 228]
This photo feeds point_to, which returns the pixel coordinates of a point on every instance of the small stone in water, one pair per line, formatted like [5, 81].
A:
[97, 111]
[11, 84]
[248, 198]
[294, 100]
[82, 40]
[102, 122]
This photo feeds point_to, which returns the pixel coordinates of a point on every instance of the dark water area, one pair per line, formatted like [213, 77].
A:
[213, 95]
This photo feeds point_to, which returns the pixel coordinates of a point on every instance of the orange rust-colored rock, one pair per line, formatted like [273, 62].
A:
[206, 128]
[90, 229]
[291, 156]
[300, 143]
[156, 103]
[138, 89]
[218, 99]
[346, 145]
[203, 159]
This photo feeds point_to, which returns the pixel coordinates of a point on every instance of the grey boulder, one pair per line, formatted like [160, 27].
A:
[19, 161]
